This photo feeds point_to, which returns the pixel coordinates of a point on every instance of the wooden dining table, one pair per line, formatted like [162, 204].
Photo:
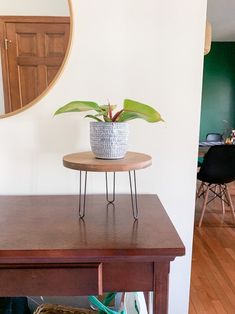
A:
[202, 150]
[45, 249]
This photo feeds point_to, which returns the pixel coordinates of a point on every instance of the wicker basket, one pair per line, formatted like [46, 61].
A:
[61, 309]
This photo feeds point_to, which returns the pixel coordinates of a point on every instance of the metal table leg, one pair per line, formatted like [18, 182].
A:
[134, 200]
[133, 192]
[82, 198]
[107, 189]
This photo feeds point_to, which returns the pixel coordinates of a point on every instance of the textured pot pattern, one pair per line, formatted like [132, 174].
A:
[109, 140]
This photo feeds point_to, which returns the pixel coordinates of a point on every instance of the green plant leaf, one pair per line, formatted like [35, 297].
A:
[126, 116]
[107, 119]
[93, 117]
[78, 106]
[117, 115]
[99, 114]
[141, 111]
[106, 107]
[107, 115]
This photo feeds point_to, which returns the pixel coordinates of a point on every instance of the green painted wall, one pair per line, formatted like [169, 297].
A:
[218, 94]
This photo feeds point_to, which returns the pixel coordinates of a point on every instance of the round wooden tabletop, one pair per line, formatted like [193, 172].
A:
[86, 161]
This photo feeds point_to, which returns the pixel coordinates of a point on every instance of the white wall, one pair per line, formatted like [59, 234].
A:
[148, 50]
[34, 7]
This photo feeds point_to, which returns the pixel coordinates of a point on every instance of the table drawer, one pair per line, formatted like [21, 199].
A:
[51, 279]
[133, 276]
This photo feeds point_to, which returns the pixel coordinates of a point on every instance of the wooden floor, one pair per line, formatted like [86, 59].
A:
[213, 262]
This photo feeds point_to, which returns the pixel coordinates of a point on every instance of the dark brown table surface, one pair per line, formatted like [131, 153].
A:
[45, 249]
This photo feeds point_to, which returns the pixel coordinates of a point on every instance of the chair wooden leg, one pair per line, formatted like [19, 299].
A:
[230, 201]
[222, 199]
[199, 189]
[204, 205]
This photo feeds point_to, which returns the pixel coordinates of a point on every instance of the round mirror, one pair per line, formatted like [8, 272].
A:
[34, 38]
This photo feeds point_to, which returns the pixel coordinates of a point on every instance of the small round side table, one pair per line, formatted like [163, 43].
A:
[86, 161]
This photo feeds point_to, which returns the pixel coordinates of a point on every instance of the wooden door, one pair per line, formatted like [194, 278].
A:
[33, 49]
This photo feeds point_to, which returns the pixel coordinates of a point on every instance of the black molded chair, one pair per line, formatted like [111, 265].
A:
[217, 169]
[214, 137]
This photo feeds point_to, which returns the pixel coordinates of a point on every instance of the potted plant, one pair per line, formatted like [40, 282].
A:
[109, 131]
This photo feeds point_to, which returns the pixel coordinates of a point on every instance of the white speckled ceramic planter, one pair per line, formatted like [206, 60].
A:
[109, 140]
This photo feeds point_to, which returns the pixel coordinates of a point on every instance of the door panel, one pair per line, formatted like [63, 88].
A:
[28, 76]
[51, 72]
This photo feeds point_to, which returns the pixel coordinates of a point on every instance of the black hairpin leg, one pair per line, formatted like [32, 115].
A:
[82, 198]
[134, 201]
[107, 189]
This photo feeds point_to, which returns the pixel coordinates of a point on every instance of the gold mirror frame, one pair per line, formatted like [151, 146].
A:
[58, 74]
